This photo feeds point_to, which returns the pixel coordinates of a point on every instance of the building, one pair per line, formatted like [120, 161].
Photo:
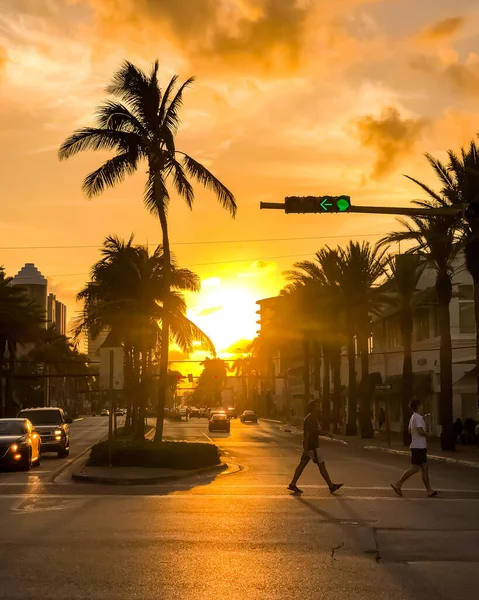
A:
[34, 284]
[94, 345]
[386, 359]
[57, 314]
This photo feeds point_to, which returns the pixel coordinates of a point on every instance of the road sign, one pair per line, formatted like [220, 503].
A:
[384, 387]
[317, 204]
[116, 368]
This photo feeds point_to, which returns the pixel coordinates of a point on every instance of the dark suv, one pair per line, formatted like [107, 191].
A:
[52, 425]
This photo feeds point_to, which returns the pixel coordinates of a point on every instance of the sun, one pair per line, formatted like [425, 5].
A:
[226, 312]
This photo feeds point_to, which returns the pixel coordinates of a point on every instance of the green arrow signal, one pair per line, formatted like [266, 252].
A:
[342, 204]
[325, 203]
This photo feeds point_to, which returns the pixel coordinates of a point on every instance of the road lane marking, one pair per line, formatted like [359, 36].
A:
[207, 437]
[181, 496]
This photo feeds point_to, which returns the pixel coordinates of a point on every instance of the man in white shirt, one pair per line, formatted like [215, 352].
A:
[417, 429]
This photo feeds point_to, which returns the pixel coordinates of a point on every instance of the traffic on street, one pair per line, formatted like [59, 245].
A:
[246, 534]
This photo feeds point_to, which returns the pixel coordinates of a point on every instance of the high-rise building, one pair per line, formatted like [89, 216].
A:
[34, 284]
[56, 314]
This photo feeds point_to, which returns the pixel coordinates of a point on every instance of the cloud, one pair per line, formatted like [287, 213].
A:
[391, 136]
[462, 77]
[209, 311]
[443, 29]
[3, 59]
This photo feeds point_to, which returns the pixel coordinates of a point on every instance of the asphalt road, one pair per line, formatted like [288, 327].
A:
[244, 536]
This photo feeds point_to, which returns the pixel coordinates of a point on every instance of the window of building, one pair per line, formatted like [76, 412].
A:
[421, 325]
[467, 322]
[393, 332]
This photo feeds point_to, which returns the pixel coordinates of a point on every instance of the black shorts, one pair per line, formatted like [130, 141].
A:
[312, 454]
[418, 456]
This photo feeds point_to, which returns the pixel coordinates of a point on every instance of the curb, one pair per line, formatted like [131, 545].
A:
[271, 421]
[435, 457]
[78, 476]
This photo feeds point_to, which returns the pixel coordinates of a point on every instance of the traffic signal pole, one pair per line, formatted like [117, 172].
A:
[383, 210]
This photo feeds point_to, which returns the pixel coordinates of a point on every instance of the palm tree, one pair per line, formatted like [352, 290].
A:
[141, 126]
[317, 293]
[20, 323]
[126, 295]
[406, 270]
[460, 187]
[436, 242]
[361, 268]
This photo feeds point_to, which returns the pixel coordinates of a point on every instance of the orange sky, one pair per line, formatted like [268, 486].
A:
[292, 97]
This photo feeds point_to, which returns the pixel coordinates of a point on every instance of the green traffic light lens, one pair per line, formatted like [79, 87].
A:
[342, 204]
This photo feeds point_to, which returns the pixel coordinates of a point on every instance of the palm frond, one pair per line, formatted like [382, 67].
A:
[94, 138]
[113, 171]
[181, 183]
[156, 194]
[209, 181]
[117, 116]
[170, 118]
[426, 188]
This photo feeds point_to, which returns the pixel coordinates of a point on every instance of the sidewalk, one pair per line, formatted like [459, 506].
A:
[464, 455]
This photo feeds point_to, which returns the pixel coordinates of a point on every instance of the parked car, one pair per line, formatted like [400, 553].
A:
[119, 412]
[105, 413]
[203, 412]
[249, 415]
[232, 412]
[194, 412]
[20, 444]
[219, 422]
[52, 425]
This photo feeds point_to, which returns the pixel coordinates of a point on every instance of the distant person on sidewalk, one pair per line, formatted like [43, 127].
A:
[381, 418]
[417, 430]
[310, 451]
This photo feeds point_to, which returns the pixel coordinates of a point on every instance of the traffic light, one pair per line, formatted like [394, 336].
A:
[317, 204]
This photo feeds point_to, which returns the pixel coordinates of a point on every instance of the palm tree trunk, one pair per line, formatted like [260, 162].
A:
[351, 427]
[317, 367]
[367, 430]
[9, 403]
[143, 392]
[165, 326]
[3, 347]
[336, 367]
[407, 376]
[128, 385]
[326, 403]
[306, 377]
[445, 356]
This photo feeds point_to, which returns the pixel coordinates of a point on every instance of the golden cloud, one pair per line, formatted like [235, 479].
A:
[443, 29]
[463, 77]
[391, 137]
[3, 59]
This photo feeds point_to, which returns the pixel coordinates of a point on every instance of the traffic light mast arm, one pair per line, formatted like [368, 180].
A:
[384, 210]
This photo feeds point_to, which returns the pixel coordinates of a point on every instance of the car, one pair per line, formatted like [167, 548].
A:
[203, 413]
[232, 412]
[194, 412]
[105, 413]
[51, 423]
[20, 444]
[219, 422]
[119, 412]
[249, 415]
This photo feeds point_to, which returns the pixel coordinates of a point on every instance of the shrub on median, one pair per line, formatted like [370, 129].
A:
[167, 455]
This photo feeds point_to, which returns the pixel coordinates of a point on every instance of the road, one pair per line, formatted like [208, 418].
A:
[243, 536]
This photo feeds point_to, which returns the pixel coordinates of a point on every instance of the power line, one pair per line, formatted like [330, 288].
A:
[196, 243]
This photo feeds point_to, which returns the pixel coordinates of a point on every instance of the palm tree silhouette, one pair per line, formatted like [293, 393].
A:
[141, 127]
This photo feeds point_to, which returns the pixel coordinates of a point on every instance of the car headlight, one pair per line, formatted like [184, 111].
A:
[14, 447]
[58, 431]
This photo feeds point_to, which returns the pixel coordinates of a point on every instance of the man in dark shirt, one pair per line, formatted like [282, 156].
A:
[310, 451]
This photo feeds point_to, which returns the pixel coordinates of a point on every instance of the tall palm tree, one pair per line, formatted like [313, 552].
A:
[362, 266]
[406, 270]
[317, 295]
[127, 294]
[459, 179]
[140, 125]
[436, 242]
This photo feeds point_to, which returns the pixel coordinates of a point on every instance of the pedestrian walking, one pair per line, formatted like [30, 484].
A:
[418, 447]
[310, 451]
